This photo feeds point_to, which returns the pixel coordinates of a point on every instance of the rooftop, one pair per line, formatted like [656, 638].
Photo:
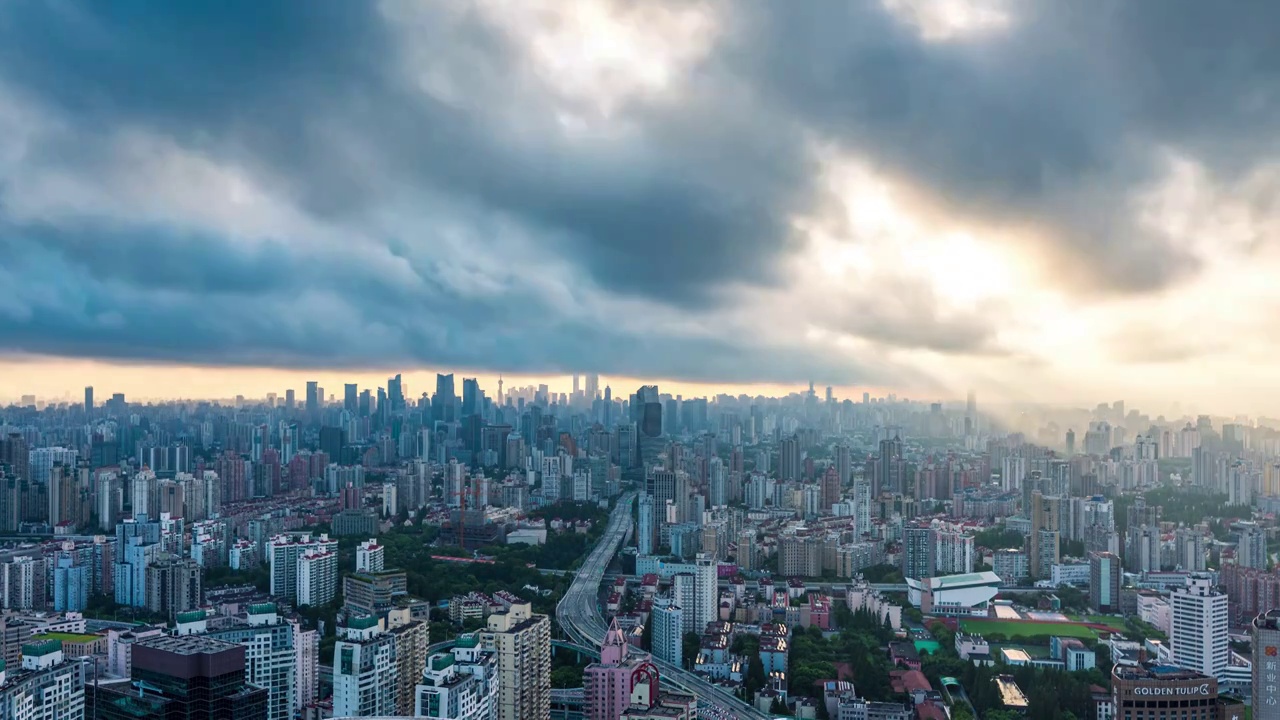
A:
[1010, 694]
[68, 637]
[187, 644]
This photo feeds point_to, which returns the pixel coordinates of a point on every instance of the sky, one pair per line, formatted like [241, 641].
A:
[1070, 202]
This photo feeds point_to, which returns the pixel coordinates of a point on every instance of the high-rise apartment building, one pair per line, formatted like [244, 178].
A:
[1142, 548]
[306, 653]
[173, 586]
[317, 577]
[667, 638]
[953, 552]
[918, 547]
[707, 604]
[1198, 636]
[284, 553]
[370, 556]
[1252, 548]
[365, 672]
[789, 459]
[1104, 582]
[1190, 549]
[411, 641]
[47, 686]
[646, 528]
[522, 642]
[462, 684]
[269, 656]
[830, 488]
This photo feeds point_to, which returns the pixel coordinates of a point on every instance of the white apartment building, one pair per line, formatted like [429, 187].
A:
[365, 672]
[370, 556]
[459, 685]
[1198, 636]
[668, 631]
[317, 578]
[283, 553]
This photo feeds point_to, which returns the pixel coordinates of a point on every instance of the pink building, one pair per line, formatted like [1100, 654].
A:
[608, 684]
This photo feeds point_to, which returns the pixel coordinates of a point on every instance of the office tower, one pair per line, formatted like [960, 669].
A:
[173, 586]
[290, 399]
[1266, 666]
[647, 527]
[953, 552]
[369, 556]
[706, 606]
[667, 639]
[443, 402]
[191, 677]
[88, 399]
[1071, 442]
[593, 386]
[471, 397]
[918, 547]
[1252, 548]
[1190, 549]
[269, 656]
[332, 441]
[1104, 582]
[1199, 626]
[522, 642]
[47, 686]
[350, 398]
[395, 393]
[461, 684]
[313, 396]
[789, 459]
[317, 577]
[608, 685]
[365, 672]
[717, 485]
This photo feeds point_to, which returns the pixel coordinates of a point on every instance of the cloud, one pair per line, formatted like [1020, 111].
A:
[592, 185]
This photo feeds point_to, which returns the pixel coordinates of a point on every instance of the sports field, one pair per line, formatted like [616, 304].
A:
[1011, 628]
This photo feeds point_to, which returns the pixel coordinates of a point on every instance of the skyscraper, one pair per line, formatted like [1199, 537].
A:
[1198, 639]
[395, 393]
[411, 642]
[522, 642]
[1252, 548]
[313, 396]
[830, 488]
[442, 403]
[1266, 666]
[350, 398]
[88, 399]
[706, 606]
[789, 459]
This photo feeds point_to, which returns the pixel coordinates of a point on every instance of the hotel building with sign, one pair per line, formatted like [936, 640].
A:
[1162, 692]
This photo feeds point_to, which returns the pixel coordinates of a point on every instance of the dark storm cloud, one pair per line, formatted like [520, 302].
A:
[1052, 124]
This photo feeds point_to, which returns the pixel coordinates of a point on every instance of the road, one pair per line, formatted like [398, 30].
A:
[579, 615]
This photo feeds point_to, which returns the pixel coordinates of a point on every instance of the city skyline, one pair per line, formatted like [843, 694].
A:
[984, 199]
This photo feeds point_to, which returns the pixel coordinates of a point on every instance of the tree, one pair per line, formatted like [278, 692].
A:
[566, 676]
[690, 645]
[778, 708]
[755, 678]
